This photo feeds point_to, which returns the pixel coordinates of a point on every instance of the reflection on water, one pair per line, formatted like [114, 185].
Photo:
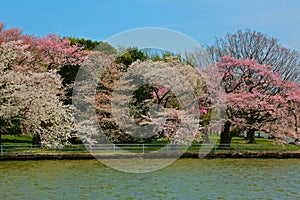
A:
[184, 179]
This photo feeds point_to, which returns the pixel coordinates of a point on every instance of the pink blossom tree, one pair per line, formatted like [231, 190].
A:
[14, 34]
[256, 97]
[288, 113]
[54, 52]
[49, 52]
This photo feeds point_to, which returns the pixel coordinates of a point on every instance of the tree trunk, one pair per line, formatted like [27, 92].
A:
[251, 134]
[225, 137]
[207, 141]
[296, 123]
[36, 140]
[247, 136]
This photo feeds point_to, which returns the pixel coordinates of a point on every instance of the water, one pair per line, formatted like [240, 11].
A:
[184, 179]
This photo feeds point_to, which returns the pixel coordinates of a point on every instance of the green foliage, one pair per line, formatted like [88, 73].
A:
[105, 48]
[91, 45]
[138, 105]
[161, 55]
[10, 126]
[68, 74]
[130, 55]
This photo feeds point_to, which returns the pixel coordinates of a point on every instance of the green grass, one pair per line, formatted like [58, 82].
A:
[16, 139]
[269, 144]
[241, 140]
[262, 144]
[13, 139]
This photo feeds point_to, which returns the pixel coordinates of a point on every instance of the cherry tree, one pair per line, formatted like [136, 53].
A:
[42, 111]
[15, 34]
[32, 99]
[256, 97]
[49, 52]
[287, 125]
[10, 53]
[54, 52]
[174, 89]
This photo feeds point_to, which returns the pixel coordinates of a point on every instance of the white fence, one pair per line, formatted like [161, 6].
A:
[144, 148]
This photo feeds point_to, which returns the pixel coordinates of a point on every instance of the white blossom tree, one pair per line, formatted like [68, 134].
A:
[32, 98]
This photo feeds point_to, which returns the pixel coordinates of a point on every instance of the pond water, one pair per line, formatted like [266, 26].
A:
[184, 179]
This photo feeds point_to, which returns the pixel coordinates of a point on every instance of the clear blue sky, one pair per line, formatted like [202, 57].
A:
[200, 19]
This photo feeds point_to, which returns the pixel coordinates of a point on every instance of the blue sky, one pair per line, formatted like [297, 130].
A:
[200, 19]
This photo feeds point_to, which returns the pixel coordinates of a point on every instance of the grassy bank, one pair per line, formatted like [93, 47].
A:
[238, 144]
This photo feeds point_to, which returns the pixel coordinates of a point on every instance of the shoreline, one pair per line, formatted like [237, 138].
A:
[211, 155]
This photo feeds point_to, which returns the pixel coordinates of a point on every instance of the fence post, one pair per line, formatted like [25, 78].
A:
[1, 149]
[143, 148]
[114, 146]
[261, 148]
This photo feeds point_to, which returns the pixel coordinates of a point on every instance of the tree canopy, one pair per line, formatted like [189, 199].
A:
[266, 50]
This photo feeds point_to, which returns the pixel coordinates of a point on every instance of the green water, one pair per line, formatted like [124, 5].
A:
[184, 179]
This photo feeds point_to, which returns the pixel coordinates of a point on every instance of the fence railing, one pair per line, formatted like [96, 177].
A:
[146, 148]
